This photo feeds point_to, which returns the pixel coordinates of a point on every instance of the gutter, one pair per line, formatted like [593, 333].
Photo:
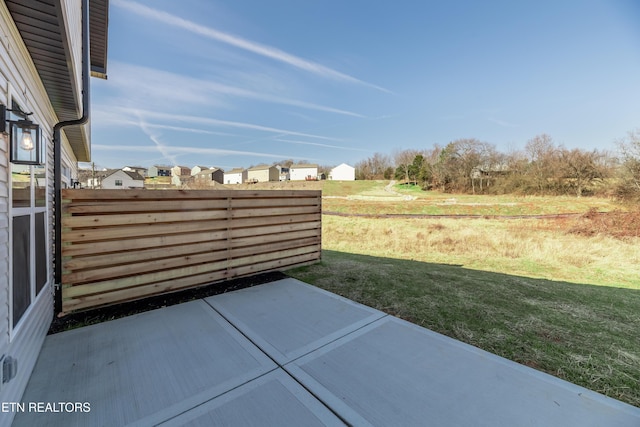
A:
[57, 156]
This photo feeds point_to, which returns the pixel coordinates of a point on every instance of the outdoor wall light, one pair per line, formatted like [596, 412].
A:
[24, 137]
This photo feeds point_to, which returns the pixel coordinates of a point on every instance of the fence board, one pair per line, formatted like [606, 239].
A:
[101, 207]
[121, 245]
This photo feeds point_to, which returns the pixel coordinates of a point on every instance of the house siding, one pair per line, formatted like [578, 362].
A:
[109, 182]
[301, 173]
[343, 172]
[232, 177]
[208, 177]
[263, 174]
[4, 247]
[19, 80]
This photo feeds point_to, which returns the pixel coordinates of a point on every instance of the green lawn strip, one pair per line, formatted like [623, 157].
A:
[434, 203]
[584, 334]
[437, 203]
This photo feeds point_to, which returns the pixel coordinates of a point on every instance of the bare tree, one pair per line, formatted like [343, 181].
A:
[463, 161]
[582, 168]
[545, 165]
[437, 177]
[630, 180]
[373, 167]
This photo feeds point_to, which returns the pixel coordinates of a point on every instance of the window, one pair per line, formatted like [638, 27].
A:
[118, 183]
[27, 233]
[30, 266]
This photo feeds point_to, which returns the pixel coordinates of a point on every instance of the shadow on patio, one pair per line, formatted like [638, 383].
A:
[286, 353]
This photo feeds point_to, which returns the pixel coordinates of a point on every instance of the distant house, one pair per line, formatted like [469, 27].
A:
[122, 180]
[285, 175]
[180, 171]
[303, 172]
[139, 169]
[209, 177]
[157, 170]
[263, 173]
[197, 169]
[235, 176]
[89, 178]
[343, 172]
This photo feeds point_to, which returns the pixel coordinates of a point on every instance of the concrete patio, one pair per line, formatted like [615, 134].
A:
[286, 353]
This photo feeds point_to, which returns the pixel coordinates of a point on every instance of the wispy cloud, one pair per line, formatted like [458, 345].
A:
[208, 121]
[190, 130]
[241, 43]
[159, 145]
[317, 144]
[172, 150]
[146, 85]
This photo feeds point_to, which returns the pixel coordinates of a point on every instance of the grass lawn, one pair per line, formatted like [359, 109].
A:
[370, 197]
[585, 334]
[561, 295]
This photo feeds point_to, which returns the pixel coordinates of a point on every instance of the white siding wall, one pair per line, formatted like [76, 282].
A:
[233, 178]
[19, 80]
[343, 172]
[301, 174]
[4, 246]
[109, 182]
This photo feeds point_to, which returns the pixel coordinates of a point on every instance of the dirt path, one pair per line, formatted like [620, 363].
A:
[389, 189]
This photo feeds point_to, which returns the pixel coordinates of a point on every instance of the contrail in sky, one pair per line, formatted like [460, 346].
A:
[238, 42]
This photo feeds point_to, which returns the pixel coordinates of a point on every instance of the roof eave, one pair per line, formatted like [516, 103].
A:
[44, 32]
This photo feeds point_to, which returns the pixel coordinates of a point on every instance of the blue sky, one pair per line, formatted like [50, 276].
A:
[237, 83]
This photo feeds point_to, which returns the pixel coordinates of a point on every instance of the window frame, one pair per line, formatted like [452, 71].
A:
[34, 209]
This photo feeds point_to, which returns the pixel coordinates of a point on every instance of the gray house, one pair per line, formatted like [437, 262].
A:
[139, 169]
[208, 177]
[158, 170]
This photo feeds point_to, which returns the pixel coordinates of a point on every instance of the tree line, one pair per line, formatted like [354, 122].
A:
[542, 168]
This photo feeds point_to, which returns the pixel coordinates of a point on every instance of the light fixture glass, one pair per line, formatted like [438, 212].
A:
[26, 142]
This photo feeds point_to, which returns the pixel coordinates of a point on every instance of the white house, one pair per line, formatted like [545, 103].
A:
[235, 176]
[303, 172]
[45, 75]
[122, 180]
[343, 172]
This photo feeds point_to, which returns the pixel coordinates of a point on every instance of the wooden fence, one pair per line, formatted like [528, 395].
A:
[121, 245]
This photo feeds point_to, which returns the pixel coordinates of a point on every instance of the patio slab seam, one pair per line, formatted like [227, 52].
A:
[203, 398]
[338, 335]
[281, 366]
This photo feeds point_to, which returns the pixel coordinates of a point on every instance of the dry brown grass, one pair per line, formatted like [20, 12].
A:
[617, 224]
[547, 249]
